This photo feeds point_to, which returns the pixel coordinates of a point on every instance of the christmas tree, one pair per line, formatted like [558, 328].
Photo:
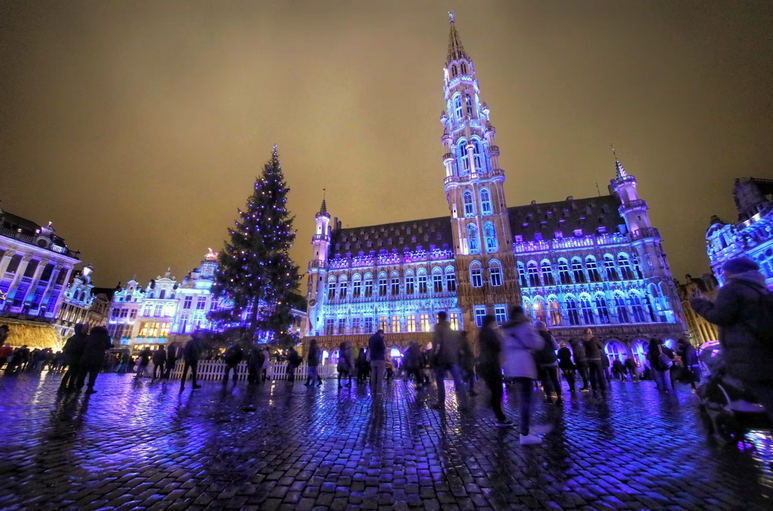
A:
[255, 271]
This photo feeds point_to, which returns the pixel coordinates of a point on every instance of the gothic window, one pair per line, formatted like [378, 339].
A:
[547, 274]
[469, 206]
[476, 274]
[450, 280]
[603, 310]
[382, 284]
[579, 274]
[356, 287]
[473, 243]
[593, 270]
[368, 285]
[356, 326]
[329, 325]
[572, 312]
[341, 325]
[587, 311]
[637, 266]
[424, 322]
[463, 156]
[437, 281]
[533, 272]
[500, 314]
[395, 284]
[555, 314]
[495, 272]
[331, 288]
[464, 72]
[527, 308]
[622, 310]
[480, 313]
[410, 323]
[422, 283]
[485, 202]
[458, 106]
[609, 266]
[477, 155]
[522, 275]
[454, 72]
[467, 99]
[540, 314]
[409, 283]
[368, 325]
[638, 310]
[563, 272]
[490, 234]
[625, 267]
[342, 289]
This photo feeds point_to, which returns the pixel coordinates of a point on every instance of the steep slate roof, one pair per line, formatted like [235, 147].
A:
[395, 236]
[566, 216]
[28, 227]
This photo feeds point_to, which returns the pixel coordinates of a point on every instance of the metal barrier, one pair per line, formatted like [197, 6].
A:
[215, 370]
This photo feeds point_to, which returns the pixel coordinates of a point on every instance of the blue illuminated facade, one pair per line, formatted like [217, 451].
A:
[573, 264]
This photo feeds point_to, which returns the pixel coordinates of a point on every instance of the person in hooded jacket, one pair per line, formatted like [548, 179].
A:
[490, 368]
[618, 370]
[566, 365]
[159, 359]
[293, 361]
[73, 352]
[578, 353]
[93, 357]
[745, 354]
[593, 353]
[548, 365]
[520, 339]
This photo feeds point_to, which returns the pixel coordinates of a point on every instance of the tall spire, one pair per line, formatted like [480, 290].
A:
[621, 173]
[455, 48]
[323, 208]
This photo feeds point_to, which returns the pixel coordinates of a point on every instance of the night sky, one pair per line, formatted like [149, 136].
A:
[138, 127]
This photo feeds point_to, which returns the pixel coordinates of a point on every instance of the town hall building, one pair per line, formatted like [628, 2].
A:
[574, 264]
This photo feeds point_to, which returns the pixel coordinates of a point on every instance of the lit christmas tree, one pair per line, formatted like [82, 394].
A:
[255, 270]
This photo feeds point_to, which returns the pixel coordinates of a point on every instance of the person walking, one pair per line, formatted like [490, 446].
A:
[362, 365]
[93, 357]
[489, 367]
[293, 361]
[690, 363]
[578, 353]
[520, 339]
[145, 356]
[266, 362]
[73, 352]
[467, 362]
[661, 360]
[618, 370]
[5, 350]
[566, 365]
[447, 345]
[593, 354]
[377, 352]
[159, 360]
[548, 365]
[413, 364]
[313, 364]
[743, 313]
[172, 354]
[191, 356]
[233, 357]
[630, 365]
[254, 364]
[345, 363]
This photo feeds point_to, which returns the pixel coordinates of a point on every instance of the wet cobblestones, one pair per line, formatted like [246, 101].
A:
[278, 447]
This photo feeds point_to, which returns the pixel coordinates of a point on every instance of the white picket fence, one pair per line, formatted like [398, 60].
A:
[215, 370]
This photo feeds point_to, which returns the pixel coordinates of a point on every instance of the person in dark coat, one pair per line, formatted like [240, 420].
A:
[490, 368]
[690, 363]
[171, 359]
[255, 364]
[345, 363]
[578, 353]
[447, 346]
[5, 351]
[73, 352]
[377, 351]
[566, 365]
[618, 370]
[593, 354]
[630, 365]
[362, 366]
[734, 310]
[467, 362]
[93, 356]
[191, 356]
[413, 363]
[313, 361]
[293, 361]
[548, 365]
[660, 373]
[159, 359]
[233, 356]
[145, 356]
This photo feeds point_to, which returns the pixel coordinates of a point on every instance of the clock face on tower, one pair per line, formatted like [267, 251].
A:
[312, 302]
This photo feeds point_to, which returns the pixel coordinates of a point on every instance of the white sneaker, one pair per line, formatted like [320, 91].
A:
[530, 439]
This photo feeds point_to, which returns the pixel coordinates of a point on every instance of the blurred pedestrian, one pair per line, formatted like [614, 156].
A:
[661, 360]
[73, 352]
[345, 363]
[446, 345]
[313, 365]
[593, 354]
[293, 361]
[578, 353]
[566, 365]
[377, 355]
[548, 365]
[467, 362]
[630, 365]
[413, 364]
[489, 367]
[255, 364]
[690, 363]
[145, 355]
[97, 342]
[172, 354]
[159, 359]
[233, 357]
[191, 355]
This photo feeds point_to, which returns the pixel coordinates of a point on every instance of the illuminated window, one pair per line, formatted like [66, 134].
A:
[422, 284]
[625, 267]
[368, 286]
[555, 313]
[201, 303]
[609, 266]
[472, 239]
[533, 274]
[593, 270]
[480, 313]
[547, 274]
[485, 202]
[467, 98]
[522, 275]
[356, 326]
[563, 272]
[356, 287]
[410, 323]
[437, 282]
[159, 311]
[577, 270]
[463, 156]
[424, 321]
[495, 272]
[622, 310]
[395, 323]
[382, 285]
[454, 320]
[490, 233]
[331, 289]
[450, 281]
[540, 314]
[368, 325]
[603, 310]
[572, 312]
[382, 323]
[395, 285]
[587, 311]
[476, 275]
[342, 289]
[476, 152]
[638, 310]
[469, 206]
[457, 103]
[188, 302]
[329, 325]
[341, 326]
[409, 282]
[500, 313]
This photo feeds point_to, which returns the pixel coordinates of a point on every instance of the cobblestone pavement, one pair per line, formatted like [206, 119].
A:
[146, 446]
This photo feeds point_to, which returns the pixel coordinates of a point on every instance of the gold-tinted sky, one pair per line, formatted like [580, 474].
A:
[139, 127]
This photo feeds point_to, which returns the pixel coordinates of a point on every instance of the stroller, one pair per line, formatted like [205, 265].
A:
[726, 408]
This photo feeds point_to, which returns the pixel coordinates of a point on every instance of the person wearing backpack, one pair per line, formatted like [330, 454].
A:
[743, 311]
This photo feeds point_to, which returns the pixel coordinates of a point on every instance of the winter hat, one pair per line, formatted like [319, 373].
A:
[540, 325]
[739, 265]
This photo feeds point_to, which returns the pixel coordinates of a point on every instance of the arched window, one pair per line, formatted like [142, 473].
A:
[368, 284]
[463, 157]
[394, 283]
[572, 312]
[555, 313]
[410, 283]
[331, 288]
[495, 273]
[485, 202]
[540, 314]
[609, 266]
[616, 351]
[640, 349]
[587, 311]
[622, 310]
[625, 267]
[343, 287]
[637, 266]
[382, 284]
[577, 270]
[454, 72]
[457, 104]
[422, 280]
[527, 308]
[593, 270]
[437, 280]
[473, 244]
[563, 272]
[602, 309]
[476, 274]
[467, 99]
[490, 233]
[638, 310]
[356, 285]
[450, 279]
[464, 70]
[522, 275]
[547, 273]
[469, 205]
[533, 272]
[477, 155]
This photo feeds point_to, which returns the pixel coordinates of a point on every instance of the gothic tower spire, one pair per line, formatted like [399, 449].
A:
[455, 48]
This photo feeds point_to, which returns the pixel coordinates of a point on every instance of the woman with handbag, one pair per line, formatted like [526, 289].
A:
[661, 360]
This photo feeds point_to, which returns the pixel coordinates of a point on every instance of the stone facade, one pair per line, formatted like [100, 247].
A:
[700, 330]
[83, 303]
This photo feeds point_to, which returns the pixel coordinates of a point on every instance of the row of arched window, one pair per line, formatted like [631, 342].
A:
[485, 203]
[597, 309]
[392, 284]
[494, 273]
[478, 154]
[489, 238]
[577, 271]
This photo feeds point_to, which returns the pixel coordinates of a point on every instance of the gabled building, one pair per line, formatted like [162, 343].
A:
[83, 303]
